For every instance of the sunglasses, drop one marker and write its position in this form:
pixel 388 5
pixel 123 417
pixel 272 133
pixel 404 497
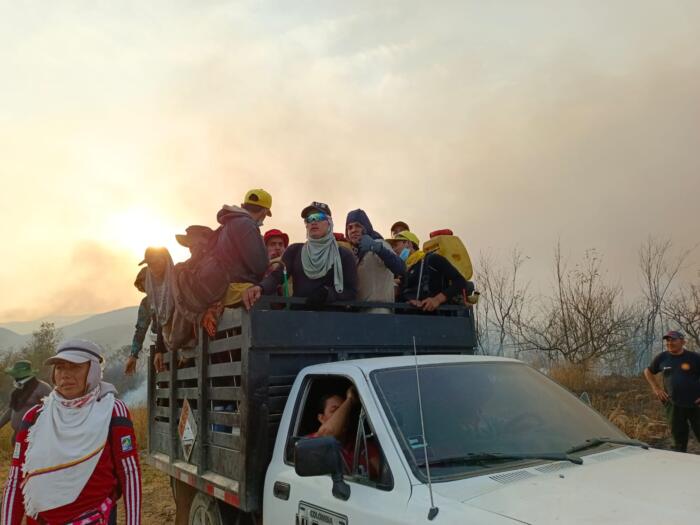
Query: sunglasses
pixel 315 217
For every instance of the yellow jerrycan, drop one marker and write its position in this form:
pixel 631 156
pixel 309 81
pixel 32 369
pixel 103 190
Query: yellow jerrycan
pixel 451 247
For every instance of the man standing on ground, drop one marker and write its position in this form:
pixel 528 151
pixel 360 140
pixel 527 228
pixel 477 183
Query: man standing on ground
pixel 28 392
pixel 681 388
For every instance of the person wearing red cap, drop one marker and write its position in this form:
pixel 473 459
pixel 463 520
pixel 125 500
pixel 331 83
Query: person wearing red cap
pixel 276 242
pixel 681 388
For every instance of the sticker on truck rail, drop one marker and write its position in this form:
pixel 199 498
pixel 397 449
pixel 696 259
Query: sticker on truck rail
pixel 312 515
pixel 187 428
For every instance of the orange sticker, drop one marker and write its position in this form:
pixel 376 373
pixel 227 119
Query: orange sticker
pixel 685 366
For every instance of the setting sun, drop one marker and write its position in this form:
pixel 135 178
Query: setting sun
pixel 136 228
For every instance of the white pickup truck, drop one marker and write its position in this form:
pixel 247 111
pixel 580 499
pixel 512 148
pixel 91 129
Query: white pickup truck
pixel 498 442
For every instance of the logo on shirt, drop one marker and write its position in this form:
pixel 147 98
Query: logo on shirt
pixel 127 444
pixel 16 453
pixel 685 366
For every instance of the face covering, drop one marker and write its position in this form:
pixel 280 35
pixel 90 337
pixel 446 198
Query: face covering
pixel 404 254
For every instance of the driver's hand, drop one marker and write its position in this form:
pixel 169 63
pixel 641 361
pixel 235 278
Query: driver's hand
pixel 130 367
pixel 158 362
pixel 351 394
pixel 250 296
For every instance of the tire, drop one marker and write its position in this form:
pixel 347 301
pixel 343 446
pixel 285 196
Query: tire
pixel 205 511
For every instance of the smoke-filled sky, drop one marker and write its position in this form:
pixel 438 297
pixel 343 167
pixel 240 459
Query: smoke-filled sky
pixel 515 123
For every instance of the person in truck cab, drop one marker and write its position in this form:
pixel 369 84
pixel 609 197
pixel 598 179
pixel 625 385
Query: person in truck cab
pixel 377 264
pixel 322 271
pixel 430 280
pixel 335 414
pixel 681 393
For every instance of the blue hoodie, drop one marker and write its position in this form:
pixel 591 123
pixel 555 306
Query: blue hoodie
pixel 392 261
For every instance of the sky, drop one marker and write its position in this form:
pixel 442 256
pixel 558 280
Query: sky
pixel 515 123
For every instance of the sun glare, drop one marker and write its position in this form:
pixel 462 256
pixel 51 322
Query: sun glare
pixel 137 228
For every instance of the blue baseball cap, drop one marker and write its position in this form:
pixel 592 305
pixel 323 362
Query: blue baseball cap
pixel 673 334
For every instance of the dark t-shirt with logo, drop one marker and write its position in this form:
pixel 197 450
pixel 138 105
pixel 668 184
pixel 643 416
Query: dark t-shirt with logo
pixel 681 376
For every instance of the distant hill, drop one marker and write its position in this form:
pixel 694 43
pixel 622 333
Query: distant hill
pixel 27 327
pixel 112 329
pixel 9 339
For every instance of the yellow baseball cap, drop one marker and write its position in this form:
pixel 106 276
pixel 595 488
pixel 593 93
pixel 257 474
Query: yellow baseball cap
pixel 259 197
pixel 406 236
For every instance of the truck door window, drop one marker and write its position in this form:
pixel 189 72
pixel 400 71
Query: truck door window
pixel 362 455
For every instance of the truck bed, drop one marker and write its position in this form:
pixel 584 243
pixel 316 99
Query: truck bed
pixel 237 383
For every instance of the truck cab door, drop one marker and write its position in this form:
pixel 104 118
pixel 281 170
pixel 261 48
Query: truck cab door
pixel 379 493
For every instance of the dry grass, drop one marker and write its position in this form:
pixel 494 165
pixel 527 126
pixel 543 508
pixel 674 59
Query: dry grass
pixel 626 401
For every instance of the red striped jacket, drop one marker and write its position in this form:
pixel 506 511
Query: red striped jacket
pixel 117 473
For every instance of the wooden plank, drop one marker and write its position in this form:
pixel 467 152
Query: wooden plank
pixel 162 393
pixel 230 419
pixel 224 345
pixel 230 318
pixel 163 377
pixel 187 373
pixel 160 412
pixel 159 443
pixel 190 353
pixel 159 427
pixel 225 369
pixel 225 393
pixel 189 393
pixel 225 440
pixel 225 462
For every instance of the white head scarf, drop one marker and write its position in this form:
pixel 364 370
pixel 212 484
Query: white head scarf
pixel 68 437
pixel 318 256
pixel 159 294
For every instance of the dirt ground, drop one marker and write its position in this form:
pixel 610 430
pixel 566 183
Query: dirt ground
pixel 158 504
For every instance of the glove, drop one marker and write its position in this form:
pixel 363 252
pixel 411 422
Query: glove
pixel 318 296
pixel 367 244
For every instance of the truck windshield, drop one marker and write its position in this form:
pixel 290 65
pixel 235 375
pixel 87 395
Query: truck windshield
pixel 484 415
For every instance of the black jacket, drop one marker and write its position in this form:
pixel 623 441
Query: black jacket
pixel 237 254
pixel 304 286
pixel 438 276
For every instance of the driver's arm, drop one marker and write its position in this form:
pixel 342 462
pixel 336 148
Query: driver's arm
pixel 336 424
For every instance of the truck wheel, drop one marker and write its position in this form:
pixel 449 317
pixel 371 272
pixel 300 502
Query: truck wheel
pixel 205 511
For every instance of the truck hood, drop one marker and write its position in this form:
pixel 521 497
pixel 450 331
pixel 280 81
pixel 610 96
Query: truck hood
pixel 622 486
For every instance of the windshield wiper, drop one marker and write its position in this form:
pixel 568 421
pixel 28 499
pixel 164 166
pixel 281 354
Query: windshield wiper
pixel 480 457
pixel 597 441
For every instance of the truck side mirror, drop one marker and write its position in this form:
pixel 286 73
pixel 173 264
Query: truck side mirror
pixel 319 457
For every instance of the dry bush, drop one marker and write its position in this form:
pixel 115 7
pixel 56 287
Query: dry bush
pixel 625 401
pixel 575 377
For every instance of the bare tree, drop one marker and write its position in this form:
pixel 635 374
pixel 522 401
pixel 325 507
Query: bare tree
pixel 658 271
pixel 684 310
pixel 583 321
pixel 503 299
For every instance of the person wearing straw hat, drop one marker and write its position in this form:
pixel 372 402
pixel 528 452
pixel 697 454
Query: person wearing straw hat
pixel 75 454
pixel 28 391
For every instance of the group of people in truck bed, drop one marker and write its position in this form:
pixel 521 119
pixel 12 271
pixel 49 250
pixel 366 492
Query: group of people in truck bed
pixel 235 265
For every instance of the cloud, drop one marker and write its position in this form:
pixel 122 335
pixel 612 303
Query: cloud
pixel 514 125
